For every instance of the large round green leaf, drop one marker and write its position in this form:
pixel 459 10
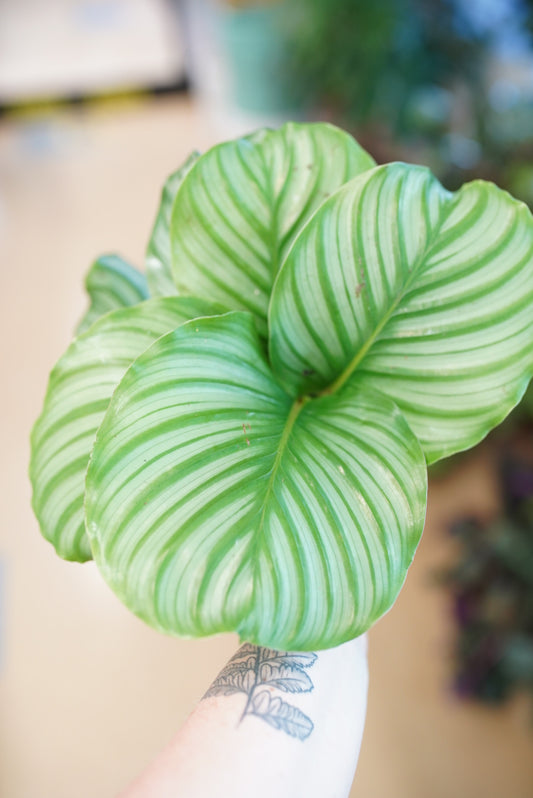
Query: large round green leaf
pixel 423 294
pixel 243 202
pixel 78 394
pixel 111 283
pixel 158 253
pixel 215 502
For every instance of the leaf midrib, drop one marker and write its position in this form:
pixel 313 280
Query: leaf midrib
pixel 294 412
pixel 338 383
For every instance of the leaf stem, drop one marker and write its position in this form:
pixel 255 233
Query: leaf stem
pixel 411 275
pixel 252 690
pixel 353 364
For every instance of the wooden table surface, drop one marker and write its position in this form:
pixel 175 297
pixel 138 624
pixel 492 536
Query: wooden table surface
pixel 87 692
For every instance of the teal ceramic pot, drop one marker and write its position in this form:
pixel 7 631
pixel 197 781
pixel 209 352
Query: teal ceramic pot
pixel 253 44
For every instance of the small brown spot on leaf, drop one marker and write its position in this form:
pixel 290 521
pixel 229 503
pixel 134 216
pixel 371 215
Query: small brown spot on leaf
pixel 359 288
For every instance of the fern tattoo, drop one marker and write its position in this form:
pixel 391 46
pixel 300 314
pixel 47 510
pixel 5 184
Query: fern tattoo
pixel 254 667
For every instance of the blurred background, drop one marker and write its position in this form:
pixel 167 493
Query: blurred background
pixel 99 101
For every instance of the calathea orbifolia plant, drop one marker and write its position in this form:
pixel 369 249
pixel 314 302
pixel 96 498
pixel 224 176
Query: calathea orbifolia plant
pixel 240 440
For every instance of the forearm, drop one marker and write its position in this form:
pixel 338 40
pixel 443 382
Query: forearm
pixel 284 725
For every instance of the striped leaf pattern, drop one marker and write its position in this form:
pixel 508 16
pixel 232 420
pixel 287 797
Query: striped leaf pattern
pixel 424 295
pixel 78 394
pixel 283 496
pixel 215 502
pixel 241 205
pixel 111 283
pixel 158 253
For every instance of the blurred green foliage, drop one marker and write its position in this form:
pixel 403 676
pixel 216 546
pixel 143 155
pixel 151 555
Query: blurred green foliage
pixel 367 61
pixel 418 80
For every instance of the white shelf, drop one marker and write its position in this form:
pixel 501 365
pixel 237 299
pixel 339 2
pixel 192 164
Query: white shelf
pixel 56 48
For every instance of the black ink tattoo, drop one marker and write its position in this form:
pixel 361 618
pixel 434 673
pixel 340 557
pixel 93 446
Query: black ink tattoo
pixel 254 667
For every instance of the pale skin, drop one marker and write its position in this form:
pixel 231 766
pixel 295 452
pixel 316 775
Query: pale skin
pixel 272 723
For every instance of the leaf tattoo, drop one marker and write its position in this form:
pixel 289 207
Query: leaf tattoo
pixel 253 667
pixel 281 715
